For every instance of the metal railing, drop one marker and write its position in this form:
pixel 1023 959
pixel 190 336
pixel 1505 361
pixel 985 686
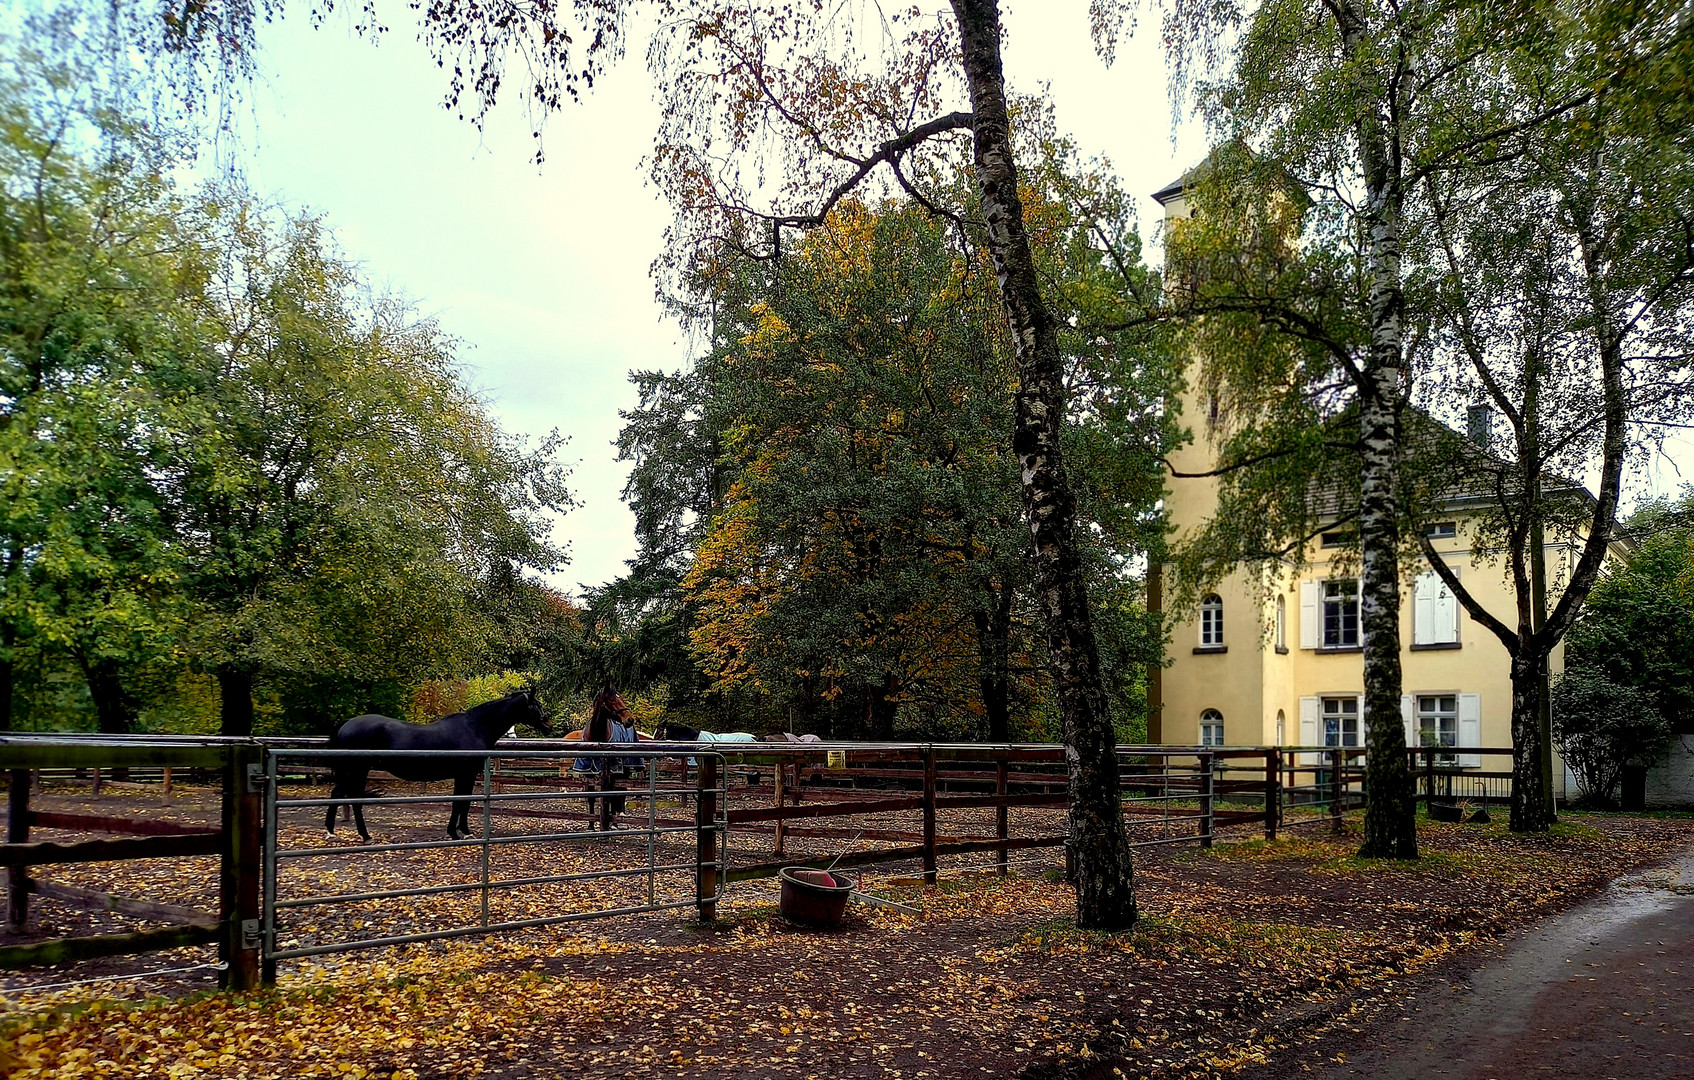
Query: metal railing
pixel 703 863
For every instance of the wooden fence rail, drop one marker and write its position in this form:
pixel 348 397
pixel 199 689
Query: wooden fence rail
pixel 235 843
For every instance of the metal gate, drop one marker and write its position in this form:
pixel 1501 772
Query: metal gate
pixel 657 850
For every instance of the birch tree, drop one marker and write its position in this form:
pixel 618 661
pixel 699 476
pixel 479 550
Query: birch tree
pixel 1560 285
pixel 1354 102
pixel 776 112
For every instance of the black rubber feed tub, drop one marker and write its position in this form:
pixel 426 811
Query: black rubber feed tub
pixel 814 897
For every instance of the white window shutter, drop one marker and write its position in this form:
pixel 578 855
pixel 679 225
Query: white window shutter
pixel 1409 713
pixel 1311 624
pixel 1446 613
pixel 1311 728
pixel 1423 608
pixel 1470 728
pixel 1359 609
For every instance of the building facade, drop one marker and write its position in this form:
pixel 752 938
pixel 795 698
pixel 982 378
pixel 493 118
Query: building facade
pixel 1279 661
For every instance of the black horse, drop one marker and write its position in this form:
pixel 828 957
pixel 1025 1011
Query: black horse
pixel 474 729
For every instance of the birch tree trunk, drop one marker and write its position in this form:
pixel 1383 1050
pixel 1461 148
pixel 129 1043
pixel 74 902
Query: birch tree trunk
pixel 1105 895
pixel 1390 816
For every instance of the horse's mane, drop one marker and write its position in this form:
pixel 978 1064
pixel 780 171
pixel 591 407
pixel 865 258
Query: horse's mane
pixel 499 706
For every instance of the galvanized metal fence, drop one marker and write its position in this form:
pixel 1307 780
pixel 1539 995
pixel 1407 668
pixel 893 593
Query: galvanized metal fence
pixel 700 864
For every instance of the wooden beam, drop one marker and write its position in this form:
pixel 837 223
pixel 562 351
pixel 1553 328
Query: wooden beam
pixel 24 752
pixel 47 819
pixel 66 950
pixel 48 853
pixel 899 854
pixel 123 905
pixel 1033 798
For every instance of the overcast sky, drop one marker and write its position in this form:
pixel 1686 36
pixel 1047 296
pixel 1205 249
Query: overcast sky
pixel 543 273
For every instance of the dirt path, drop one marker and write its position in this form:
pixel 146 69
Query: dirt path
pixel 1604 991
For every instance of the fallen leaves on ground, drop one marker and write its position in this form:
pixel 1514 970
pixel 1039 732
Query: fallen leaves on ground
pixel 1238 951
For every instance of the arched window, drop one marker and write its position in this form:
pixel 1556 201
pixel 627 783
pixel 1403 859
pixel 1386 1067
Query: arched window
pixel 1211 620
pixel 1281 625
pixel 1281 728
pixel 1211 728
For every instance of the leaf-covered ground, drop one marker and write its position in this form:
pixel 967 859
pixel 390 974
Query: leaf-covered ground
pixel 1239 949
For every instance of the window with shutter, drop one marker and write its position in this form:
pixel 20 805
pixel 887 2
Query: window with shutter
pixel 1435 611
pixel 1311 627
pixel 1470 728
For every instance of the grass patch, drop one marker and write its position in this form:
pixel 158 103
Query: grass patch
pixel 1339 856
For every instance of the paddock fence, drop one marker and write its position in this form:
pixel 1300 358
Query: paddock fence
pixel 234 843
pixel 566 832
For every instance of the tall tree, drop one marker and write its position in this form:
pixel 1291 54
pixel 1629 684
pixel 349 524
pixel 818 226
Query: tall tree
pixel 338 494
pixel 1369 108
pixel 1560 283
pixel 797 91
pixel 89 251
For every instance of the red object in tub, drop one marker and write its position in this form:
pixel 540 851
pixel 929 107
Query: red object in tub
pixel 814 897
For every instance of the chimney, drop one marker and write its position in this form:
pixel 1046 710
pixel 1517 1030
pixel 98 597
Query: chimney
pixel 1481 425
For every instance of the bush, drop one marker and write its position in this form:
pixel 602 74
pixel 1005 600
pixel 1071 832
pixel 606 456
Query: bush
pixel 1600 727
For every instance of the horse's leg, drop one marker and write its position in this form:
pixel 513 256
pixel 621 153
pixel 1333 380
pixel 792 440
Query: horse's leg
pixel 461 812
pixel 359 792
pixel 335 790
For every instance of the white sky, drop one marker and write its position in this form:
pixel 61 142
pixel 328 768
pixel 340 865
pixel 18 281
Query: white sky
pixel 543 274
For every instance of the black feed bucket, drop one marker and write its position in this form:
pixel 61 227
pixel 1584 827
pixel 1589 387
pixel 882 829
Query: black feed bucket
pixel 814 897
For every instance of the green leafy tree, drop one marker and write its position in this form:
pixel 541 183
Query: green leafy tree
pixel 89 246
pixel 339 494
pixel 1601 727
pixel 1326 302
pixel 1635 629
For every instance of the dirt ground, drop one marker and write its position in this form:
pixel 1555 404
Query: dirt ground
pixel 1247 958
pixel 1604 990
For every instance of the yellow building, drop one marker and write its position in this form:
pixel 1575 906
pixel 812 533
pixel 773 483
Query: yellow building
pixel 1279 662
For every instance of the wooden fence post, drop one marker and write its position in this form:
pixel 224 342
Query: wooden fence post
pixel 243 839
pixel 929 816
pixel 706 840
pixel 1428 776
pixel 17 832
pixel 1001 814
pixel 1208 766
pixel 1273 796
pixel 776 787
pixel 1337 790
pixel 167 782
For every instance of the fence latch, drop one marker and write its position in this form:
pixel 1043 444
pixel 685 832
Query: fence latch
pixel 255 777
pixel 250 935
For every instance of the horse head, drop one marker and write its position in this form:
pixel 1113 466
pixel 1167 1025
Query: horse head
pixel 608 706
pixel 518 709
pixel 531 714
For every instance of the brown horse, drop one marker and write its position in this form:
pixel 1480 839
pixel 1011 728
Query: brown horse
pixel 609 721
